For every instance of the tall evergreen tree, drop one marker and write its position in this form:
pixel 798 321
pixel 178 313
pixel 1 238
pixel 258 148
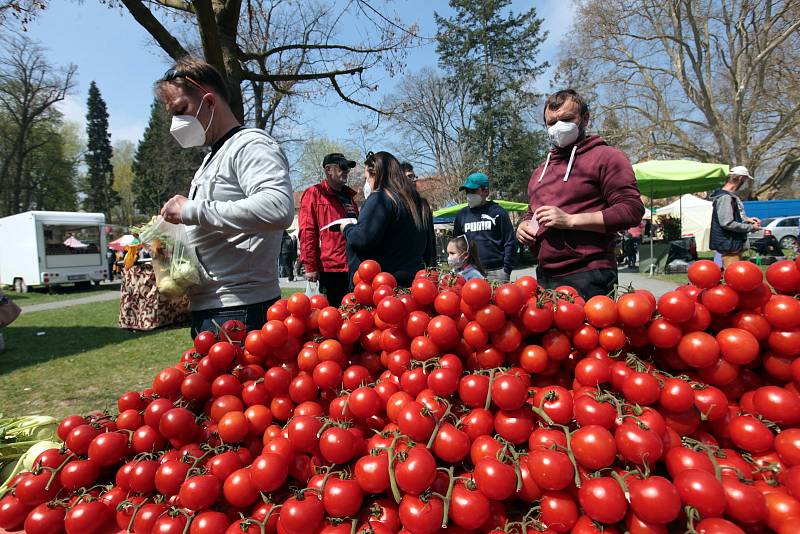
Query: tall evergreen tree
pixel 493 50
pixel 161 167
pixel 99 190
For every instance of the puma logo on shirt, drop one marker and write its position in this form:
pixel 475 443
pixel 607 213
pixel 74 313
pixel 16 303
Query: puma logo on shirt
pixel 478 226
pixel 486 222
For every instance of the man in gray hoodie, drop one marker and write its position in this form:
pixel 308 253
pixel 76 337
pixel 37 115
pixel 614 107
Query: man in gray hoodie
pixel 729 223
pixel 239 203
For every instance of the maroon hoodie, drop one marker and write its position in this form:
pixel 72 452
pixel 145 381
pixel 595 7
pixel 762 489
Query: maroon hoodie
pixel 600 178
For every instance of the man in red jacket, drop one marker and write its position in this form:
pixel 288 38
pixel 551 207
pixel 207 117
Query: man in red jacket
pixel 579 198
pixel 323 251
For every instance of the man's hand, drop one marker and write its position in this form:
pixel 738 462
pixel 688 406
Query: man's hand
pixel 172 209
pixel 312 277
pixel 552 217
pixel 526 233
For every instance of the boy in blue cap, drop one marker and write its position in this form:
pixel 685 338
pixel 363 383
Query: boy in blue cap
pixel 489 225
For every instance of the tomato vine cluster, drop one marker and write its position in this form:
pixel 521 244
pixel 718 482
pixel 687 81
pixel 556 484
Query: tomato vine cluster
pixel 454 407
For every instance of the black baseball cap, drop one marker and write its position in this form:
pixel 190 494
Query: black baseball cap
pixel 338 159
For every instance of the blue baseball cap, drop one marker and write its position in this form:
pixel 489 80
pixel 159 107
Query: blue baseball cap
pixel 476 180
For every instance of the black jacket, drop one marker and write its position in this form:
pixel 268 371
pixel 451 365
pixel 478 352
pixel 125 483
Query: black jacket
pixel 490 226
pixel 288 247
pixel 386 233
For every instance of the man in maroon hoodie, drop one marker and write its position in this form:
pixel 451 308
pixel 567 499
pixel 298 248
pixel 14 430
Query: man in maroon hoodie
pixel 582 194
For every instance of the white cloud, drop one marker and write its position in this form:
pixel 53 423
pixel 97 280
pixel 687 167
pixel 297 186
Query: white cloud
pixel 74 110
pixel 121 126
pixel 126 129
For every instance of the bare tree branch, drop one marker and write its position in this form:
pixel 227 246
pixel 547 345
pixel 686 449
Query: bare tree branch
pixel 258 77
pixel 706 79
pixel 180 5
pixel 149 22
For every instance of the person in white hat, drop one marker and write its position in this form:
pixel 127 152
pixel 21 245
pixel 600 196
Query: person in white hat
pixel 729 223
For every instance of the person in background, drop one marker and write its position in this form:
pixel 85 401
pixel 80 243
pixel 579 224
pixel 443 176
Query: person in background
pixel 323 251
pixel 489 225
pixel 633 242
pixel 578 199
pixel 729 223
pixel 9 311
pixel 296 264
pixel 463 258
pixel 111 259
pixel 408 171
pixel 288 253
pixel 239 203
pixel 395 226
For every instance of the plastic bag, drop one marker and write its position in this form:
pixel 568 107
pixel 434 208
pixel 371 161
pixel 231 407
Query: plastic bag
pixel 174 261
pixel 312 288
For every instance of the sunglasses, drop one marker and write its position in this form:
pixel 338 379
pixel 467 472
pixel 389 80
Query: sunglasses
pixel 173 74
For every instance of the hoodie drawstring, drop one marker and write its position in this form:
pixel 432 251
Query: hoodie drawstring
pixel 571 159
pixel 546 163
pixel 569 165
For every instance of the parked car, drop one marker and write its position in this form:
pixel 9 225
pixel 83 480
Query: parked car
pixel 783 228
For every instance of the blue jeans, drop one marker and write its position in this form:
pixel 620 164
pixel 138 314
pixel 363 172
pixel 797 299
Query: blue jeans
pixel 586 283
pixel 252 315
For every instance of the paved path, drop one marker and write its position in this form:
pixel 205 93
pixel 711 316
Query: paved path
pixel 101 297
pixel 642 281
pixel 638 281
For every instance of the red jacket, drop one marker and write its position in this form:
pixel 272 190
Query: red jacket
pixel 322 250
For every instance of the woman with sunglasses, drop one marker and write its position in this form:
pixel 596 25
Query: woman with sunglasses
pixel 395 226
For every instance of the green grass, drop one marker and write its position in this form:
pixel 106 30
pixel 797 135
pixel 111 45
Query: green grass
pixel 82 361
pixel 682 278
pixel 57 293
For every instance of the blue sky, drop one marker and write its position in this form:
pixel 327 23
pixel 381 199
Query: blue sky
pixel 109 47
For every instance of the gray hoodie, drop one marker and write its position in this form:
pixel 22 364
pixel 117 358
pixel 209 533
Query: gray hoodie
pixel 240 202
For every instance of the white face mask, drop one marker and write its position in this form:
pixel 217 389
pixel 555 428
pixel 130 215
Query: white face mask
pixel 563 134
pixel 474 200
pixel 187 129
pixel 455 262
pixel 367 189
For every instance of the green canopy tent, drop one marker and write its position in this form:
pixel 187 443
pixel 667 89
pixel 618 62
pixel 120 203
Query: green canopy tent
pixel 452 210
pixel 667 178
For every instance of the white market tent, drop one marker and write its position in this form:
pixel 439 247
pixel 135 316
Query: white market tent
pixel 695 215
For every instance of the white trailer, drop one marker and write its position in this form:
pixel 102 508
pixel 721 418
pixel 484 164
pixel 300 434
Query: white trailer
pixel 51 248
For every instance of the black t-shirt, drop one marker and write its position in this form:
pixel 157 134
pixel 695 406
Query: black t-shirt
pixel 347 202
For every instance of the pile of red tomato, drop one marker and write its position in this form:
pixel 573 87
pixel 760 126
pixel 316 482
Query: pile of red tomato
pixel 459 407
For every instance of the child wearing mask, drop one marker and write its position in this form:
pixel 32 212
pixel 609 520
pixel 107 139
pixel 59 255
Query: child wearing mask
pixel 462 257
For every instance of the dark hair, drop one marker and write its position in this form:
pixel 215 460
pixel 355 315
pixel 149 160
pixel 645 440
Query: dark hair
pixel 557 99
pixel 468 245
pixel 193 74
pixel 407 167
pixel 390 179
